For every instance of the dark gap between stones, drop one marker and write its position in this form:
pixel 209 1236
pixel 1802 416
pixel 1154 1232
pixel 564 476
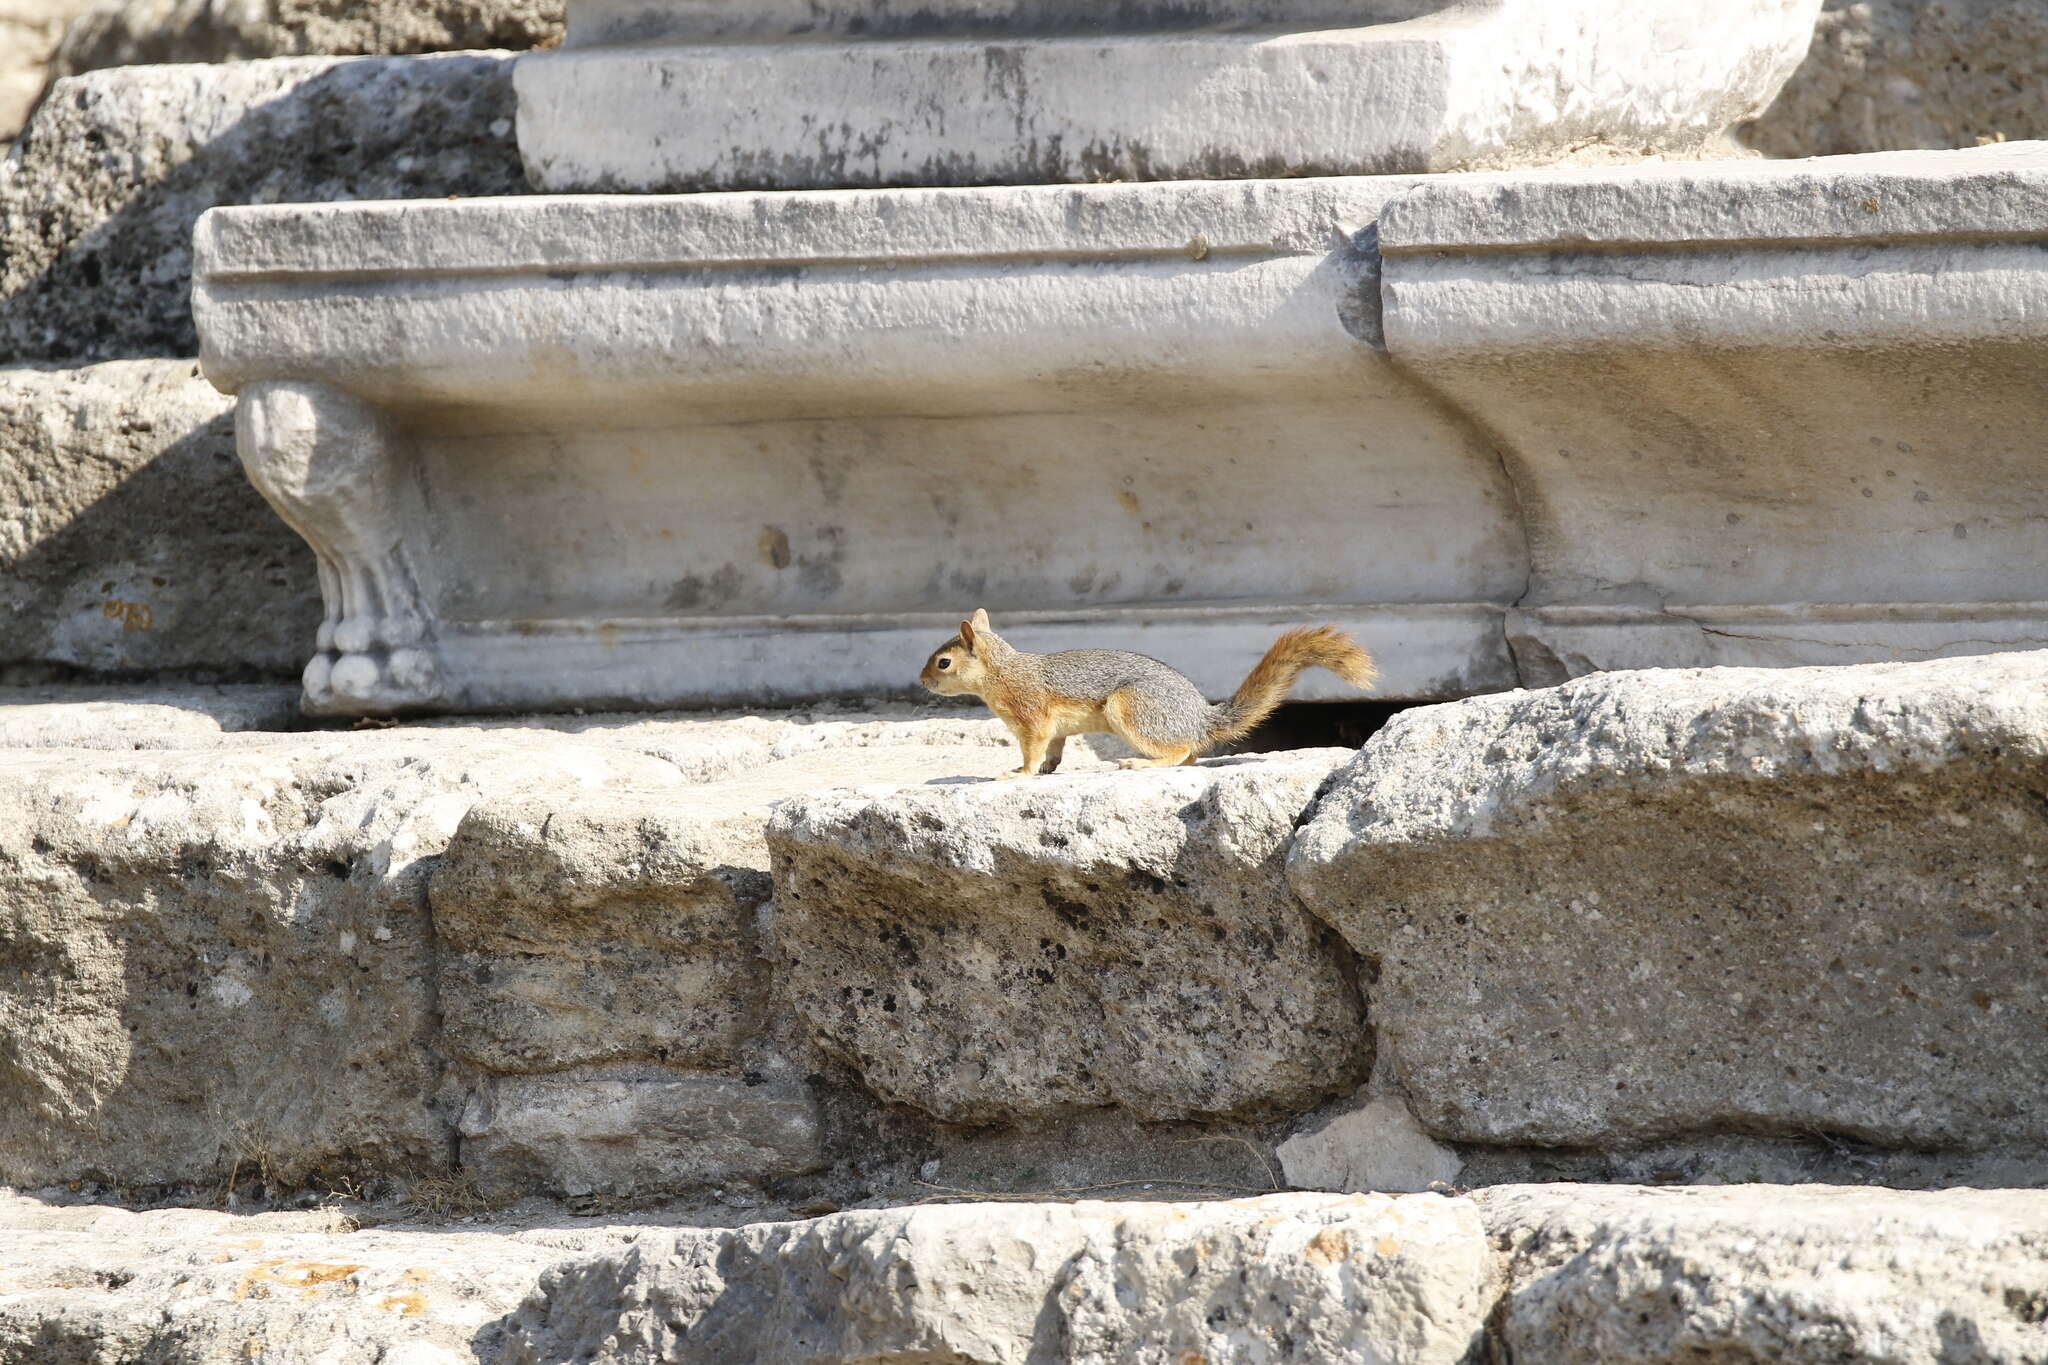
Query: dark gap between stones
pixel 1319 725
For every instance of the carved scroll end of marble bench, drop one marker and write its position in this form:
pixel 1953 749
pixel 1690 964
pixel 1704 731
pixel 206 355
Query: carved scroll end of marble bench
pixel 339 475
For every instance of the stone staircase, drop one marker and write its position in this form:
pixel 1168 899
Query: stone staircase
pixel 688 977
pixel 1681 1014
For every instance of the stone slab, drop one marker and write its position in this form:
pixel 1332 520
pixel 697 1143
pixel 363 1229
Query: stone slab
pixel 1552 1272
pixel 148 32
pixel 1779 1273
pixel 103 1285
pixel 98 198
pixel 635 1132
pixel 135 716
pixel 131 543
pixel 1288 1276
pixel 1373 1147
pixel 780 469
pixel 1380 90
pixel 1888 74
pixel 220 960
pixel 994 952
pixel 1646 905
pixel 1695 375
pixel 29 33
pixel 600 23
pixel 805 467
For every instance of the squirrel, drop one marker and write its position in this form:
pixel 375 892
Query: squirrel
pixel 1149 705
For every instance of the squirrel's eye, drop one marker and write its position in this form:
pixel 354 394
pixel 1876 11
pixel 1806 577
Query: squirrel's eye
pixel 945 664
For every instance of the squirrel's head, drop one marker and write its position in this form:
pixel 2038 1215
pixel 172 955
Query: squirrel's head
pixel 962 664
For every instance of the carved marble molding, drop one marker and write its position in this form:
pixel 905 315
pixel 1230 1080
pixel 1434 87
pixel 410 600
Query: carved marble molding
pixel 1756 413
pixel 339 474
pixel 738 448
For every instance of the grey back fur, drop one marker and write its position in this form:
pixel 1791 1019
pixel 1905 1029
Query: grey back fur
pixel 1163 703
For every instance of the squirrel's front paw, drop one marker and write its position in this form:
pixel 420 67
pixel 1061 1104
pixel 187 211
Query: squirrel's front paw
pixel 1012 775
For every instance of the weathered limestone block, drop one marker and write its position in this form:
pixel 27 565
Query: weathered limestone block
pixel 140 716
pixel 1889 74
pixel 1792 902
pixel 95 1285
pixel 1284 1277
pixel 222 959
pixel 130 541
pixel 1755 412
pixel 602 929
pixel 1602 1275
pixel 139 32
pixel 1377 1146
pixel 1018 950
pixel 98 199
pixel 772 447
pixel 219 961
pixel 976 93
pixel 634 1132
pixel 29 33
pixel 625 926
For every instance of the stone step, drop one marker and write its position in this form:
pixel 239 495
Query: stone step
pixel 1688 902
pixel 1612 1275
pixel 226 953
pixel 122 34
pixel 98 198
pixel 1682 925
pixel 973 92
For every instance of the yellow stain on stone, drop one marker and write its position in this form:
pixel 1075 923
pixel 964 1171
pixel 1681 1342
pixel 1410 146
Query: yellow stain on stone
pixel 310 1278
pixel 405 1305
pixel 1388 1245
pixel 1328 1247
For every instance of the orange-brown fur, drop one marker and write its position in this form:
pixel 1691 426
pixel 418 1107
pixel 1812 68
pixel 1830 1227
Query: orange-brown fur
pixel 1271 678
pixel 1044 698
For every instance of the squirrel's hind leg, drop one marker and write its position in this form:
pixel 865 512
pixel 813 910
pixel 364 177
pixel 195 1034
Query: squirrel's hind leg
pixel 1160 752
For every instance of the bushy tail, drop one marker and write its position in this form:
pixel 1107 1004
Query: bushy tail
pixel 1267 685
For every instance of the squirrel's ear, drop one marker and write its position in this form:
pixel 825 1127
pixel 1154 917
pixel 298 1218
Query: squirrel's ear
pixel 967 634
pixel 981 620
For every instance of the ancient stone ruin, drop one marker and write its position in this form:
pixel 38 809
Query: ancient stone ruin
pixel 478 878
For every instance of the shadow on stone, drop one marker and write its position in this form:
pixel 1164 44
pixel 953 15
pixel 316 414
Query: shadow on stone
pixel 172 566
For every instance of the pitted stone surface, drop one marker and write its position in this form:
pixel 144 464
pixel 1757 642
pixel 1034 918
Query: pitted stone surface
pixel 98 199
pixel 139 32
pixel 141 716
pixel 130 540
pixel 1260 1281
pixel 225 956
pixel 635 1132
pixel 1374 1146
pixel 1568 1273
pixel 221 958
pixel 1007 950
pixel 29 33
pixel 97 1285
pixel 1886 74
pixel 1642 905
pixel 586 928
pixel 1614 1275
